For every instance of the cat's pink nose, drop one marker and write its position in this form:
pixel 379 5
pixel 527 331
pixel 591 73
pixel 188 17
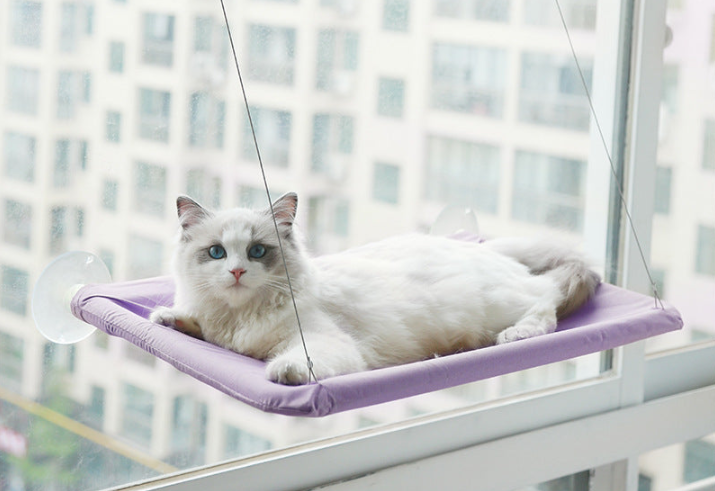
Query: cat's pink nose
pixel 237 273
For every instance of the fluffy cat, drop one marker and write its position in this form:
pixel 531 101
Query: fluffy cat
pixel 395 301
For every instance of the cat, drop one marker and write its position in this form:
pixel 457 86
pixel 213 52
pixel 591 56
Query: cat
pixel 395 301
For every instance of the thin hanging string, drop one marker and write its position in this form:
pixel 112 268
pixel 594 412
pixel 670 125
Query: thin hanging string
pixel 619 185
pixel 268 193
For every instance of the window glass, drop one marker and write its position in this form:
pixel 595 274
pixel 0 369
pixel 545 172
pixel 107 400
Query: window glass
pixel 683 236
pixel 677 465
pixel 378 119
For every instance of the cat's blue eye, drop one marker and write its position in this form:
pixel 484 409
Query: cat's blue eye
pixel 217 252
pixel 257 251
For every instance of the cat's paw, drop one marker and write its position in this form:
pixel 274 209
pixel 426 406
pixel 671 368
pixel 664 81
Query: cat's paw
pixel 288 371
pixel 164 316
pixel 519 332
pixel 169 317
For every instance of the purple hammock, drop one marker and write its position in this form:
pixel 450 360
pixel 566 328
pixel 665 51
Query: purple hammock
pixel 612 318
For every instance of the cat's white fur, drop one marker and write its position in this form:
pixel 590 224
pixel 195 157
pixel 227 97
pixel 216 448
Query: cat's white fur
pixel 391 302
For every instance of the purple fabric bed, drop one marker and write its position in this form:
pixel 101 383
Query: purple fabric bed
pixel 614 317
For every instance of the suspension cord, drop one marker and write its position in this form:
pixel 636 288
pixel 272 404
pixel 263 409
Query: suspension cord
pixel 309 362
pixel 618 183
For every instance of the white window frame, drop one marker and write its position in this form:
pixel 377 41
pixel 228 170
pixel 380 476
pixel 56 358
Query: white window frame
pixel 602 424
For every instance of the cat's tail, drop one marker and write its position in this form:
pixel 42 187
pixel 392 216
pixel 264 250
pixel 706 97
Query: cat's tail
pixel 567 266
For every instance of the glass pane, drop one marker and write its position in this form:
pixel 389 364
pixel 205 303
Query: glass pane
pixel 683 241
pixel 676 465
pixel 97 146
pixel 574 482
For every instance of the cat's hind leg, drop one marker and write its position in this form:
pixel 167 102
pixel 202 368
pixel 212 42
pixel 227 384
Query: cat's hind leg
pixel 540 319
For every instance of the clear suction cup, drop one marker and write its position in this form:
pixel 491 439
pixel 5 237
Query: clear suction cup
pixel 454 220
pixel 54 290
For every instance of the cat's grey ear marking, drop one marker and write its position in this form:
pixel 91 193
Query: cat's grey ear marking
pixel 284 209
pixel 190 212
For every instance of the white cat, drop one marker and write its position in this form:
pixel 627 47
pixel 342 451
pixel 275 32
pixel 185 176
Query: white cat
pixel 396 301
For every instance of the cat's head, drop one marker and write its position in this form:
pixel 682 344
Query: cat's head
pixel 234 255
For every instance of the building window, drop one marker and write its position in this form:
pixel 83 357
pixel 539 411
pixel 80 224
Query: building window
pixel 11 360
pixel 207 117
pixel 154 114
pixel 552 92
pixel 238 442
pixel 158 39
pixel 386 183
pixel 114 126
pixel 57 229
pixel 73 88
pixel 109 194
pixel 337 60
pixel 273 129
pixel 469 79
pixel 137 414
pixel 203 30
pixel 70 157
pixel 705 251
pixel 77 19
pixel 462 173
pixel 396 15
pixel 663 178
pixel 271 54
pixel 19 156
pixel 150 189
pixel 145 257
pixel 549 190
pixel 26 23
pixel 333 136
pixel 14 290
pixel 204 189
pixel 709 144
pixel 116 57
pixel 390 97
pixel 17 226
pixel 579 14
pixel 699 462
pixel 487 10
pixel 22 90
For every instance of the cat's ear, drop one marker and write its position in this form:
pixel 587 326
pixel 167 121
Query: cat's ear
pixel 284 209
pixel 190 212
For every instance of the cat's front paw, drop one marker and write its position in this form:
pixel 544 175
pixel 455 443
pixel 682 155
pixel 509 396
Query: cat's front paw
pixel 169 317
pixel 288 371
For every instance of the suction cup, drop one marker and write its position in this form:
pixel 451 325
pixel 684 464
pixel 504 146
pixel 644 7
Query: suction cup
pixel 54 290
pixel 455 219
